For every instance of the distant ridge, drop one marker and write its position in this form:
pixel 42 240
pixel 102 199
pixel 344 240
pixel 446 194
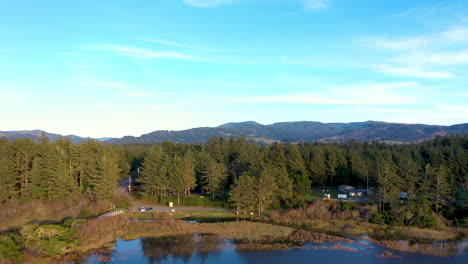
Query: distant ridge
pixel 302 131
pixel 287 132
pixel 36 134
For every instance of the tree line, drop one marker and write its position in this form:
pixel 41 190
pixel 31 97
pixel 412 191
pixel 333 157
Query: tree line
pixel 251 176
pixel 247 175
pixel 57 170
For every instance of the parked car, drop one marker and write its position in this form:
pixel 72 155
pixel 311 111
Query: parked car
pixel 141 209
pixel 149 209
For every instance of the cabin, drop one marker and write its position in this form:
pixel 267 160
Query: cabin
pixel 342 196
pixel 356 192
pixel 344 187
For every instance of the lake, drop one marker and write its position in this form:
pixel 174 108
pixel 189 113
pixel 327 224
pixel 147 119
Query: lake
pixel 214 249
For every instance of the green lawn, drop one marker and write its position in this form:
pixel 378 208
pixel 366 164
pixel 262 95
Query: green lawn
pixel 318 194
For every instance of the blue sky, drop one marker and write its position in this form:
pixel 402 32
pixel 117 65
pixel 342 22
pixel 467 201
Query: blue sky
pixel 115 68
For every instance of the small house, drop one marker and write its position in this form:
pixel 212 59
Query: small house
pixel 344 187
pixel 326 196
pixel 356 192
pixel 342 196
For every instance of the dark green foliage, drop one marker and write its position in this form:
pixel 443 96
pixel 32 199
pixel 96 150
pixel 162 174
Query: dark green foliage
pixel 10 248
pixel 55 170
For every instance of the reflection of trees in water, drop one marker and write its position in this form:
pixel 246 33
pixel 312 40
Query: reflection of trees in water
pixel 105 254
pixel 209 244
pixel 438 248
pixel 160 248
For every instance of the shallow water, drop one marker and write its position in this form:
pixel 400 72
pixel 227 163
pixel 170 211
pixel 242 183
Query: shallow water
pixel 215 249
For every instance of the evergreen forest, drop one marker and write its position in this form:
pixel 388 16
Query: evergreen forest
pixel 246 176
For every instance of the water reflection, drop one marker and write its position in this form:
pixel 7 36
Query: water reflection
pixel 159 249
pixel 215 249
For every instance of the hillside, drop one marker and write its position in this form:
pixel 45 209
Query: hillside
pixel 288 132
pixel 305 131
pixel 36 134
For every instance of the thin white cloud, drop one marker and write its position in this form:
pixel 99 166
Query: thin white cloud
pixel 316 4
pixel 166 42
pixel 109 84
pixel 401 44
pixel 441 58
pixel 453 108
pixel 137 52
pixel 412 72
pixel 240 85
pixel 141 95
pixel 454 35
pixel 366 94
pixel 206 3
pixel 308 5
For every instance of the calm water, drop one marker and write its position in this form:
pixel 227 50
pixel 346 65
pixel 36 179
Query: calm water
pixel 214 249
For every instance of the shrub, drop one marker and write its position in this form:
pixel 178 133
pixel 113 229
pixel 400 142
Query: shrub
pixel 10 249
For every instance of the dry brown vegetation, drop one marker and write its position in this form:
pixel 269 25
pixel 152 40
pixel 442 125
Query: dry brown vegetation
pixel 15 214
pixel 388 254
pixel 303 236
pixel 431 248
pixel 96 233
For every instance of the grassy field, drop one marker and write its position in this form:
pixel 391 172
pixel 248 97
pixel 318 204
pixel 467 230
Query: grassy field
pixel 204 214
pixel 318 194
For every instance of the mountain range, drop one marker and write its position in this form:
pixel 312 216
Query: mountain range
pixel 36 134
pixel 287 132
pixel 304 131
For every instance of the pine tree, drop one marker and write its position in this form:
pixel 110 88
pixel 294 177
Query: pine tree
pixel 213 177
pixel 24 151
pixel 266 188
pixel 243 195
pixel 103 183
pixel 318 167
pixel 8 179
pixel 154 172
pixel 297 170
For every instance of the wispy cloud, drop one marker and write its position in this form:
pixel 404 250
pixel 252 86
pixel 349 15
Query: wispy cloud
pixel 366 94
pixel 453 108
pixel 316 4
pixel 141 95
pixel 454 35
pixel 412 72
pixel 167 42
pixel 240 85
pixel 137 52
pixel 308 5
pixel 109 84
pixel 413 56
pixel 442 58
pixel 206 3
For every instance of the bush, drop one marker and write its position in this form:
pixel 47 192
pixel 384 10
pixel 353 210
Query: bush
pixel 10 248
pixel 84 213
pixel 378 218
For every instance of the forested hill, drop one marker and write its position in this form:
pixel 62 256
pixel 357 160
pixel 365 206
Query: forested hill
pixel 36 134
pixel 307 131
